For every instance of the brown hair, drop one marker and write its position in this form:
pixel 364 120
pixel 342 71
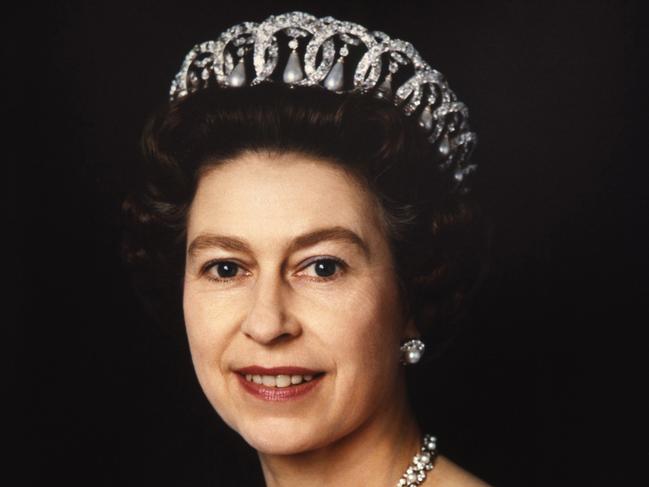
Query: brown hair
pixel 436 237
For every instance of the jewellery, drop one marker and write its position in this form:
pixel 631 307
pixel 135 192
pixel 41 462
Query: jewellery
pixel 412 351
pixel 423 92
pixel 422 462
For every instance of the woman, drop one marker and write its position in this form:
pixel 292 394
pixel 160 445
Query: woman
pixel 311 241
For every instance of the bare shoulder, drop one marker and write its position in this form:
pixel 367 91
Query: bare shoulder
pixel 450 474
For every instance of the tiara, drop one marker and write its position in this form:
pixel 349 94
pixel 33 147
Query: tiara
pixel 422 92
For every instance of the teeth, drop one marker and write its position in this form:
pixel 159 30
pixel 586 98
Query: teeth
pixel 283 380
pixel 278 380
pixel 269 380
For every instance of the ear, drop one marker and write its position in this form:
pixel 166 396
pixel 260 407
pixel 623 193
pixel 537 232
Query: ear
pixel 410 330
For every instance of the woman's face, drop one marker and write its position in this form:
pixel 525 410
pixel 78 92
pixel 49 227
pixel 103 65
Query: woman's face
pixel 287 269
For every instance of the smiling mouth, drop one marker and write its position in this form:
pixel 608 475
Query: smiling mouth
pixel 280 387
pixel 281 381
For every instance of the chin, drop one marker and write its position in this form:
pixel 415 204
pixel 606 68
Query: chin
pixel 281 436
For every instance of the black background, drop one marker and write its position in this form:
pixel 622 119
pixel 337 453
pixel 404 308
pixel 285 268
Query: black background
pixel 539 388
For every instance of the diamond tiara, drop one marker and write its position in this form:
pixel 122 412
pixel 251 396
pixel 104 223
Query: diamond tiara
pixel 424 92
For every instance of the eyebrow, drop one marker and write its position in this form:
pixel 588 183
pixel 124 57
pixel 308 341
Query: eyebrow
pixel 226 242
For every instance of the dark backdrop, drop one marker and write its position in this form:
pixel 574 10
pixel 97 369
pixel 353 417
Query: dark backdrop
pixel 536 390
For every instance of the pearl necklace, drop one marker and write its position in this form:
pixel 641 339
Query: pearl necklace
pixel 422 462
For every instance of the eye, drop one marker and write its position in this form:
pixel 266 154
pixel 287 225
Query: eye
pixel 226 270
pixel 325 268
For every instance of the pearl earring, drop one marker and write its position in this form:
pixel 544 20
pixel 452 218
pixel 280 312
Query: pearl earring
pixel 412 351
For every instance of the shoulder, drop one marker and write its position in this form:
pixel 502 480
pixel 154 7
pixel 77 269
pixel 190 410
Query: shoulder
pixel 449 474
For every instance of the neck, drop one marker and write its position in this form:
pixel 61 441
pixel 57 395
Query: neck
pixel 376 453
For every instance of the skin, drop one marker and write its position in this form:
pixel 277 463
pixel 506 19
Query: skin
pixel 275 309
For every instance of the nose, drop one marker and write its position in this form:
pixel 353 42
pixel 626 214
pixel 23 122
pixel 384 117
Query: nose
pixel 268 320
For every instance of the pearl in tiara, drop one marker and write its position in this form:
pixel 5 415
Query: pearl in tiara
pixel 422 92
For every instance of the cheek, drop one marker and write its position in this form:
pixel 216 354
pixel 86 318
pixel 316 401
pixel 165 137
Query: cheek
pixel 367 345
pixel 197 313
pixel 207 314
pixel 206 331
pixel 207 334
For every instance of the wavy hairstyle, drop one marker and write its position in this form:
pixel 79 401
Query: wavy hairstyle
pixel 437 238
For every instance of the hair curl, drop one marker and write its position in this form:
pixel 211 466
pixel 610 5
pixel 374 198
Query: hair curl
pixel 436 238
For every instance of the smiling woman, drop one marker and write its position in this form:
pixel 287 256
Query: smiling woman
pixel 308 244
pixel 287 315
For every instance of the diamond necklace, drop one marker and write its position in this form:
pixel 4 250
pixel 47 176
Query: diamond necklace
pixel 422 462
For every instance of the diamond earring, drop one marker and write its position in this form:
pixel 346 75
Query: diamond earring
pixel 412 351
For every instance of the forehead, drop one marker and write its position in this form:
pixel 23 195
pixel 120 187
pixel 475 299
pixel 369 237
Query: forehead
pixel 290 193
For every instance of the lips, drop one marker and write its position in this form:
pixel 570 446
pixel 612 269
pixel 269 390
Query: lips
pixel 271 394
pixel 278 383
